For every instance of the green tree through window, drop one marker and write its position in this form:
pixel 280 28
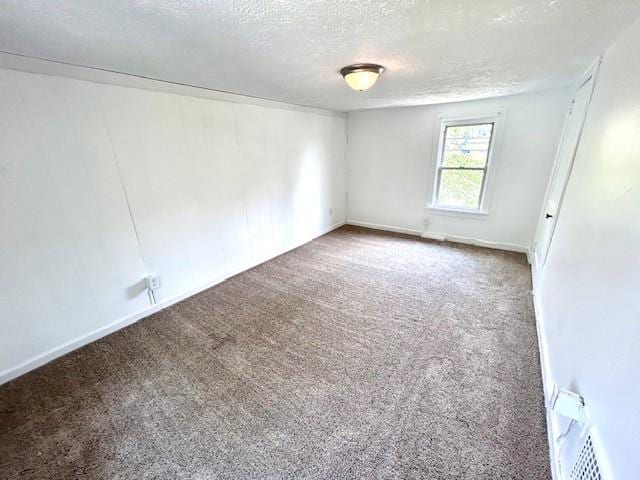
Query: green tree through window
pixel 462 165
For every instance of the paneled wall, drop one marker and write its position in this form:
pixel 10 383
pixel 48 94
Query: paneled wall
pixel 101 185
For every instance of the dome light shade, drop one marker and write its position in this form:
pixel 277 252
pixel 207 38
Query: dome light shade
pixel 361 76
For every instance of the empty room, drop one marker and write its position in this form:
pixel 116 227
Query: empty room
pixel 246 239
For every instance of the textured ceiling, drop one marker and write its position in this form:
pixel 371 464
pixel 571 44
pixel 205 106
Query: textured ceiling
pixel 291 50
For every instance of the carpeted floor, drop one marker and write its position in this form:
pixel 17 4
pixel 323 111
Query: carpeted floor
pixel 359 355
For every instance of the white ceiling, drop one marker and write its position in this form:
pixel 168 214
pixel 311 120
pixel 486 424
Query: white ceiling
pixel 291 50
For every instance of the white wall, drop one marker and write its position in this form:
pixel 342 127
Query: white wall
pixel 391 159
pixel 588 292
pixel 213 187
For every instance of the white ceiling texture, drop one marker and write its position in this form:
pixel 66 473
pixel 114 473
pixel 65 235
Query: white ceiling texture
pixel 291 50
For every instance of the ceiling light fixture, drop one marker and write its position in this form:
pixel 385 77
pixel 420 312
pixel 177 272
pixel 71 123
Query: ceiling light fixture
pixel 361 76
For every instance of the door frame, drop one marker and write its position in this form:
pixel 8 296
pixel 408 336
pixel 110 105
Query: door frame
pixel 538 264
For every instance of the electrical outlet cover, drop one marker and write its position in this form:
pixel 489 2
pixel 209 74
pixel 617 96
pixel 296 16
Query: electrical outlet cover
pixel 570 405
pixel 153 282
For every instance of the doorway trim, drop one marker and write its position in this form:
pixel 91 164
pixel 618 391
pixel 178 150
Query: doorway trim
pixel 537 264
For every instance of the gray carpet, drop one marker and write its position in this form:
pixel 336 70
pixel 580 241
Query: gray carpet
pixel 359 355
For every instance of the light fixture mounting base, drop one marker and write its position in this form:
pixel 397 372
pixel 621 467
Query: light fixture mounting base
pixel 361 67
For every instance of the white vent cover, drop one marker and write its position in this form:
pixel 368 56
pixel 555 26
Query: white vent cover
pixel 586 466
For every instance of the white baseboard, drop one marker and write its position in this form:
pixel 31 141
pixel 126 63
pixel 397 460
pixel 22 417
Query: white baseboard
pixel 56 352
pixel 547 382
pixel 444 237
pixel 478 242
pixel 386 228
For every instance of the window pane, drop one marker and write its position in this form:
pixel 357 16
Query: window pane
pixel 464 159
pixel 467 145
pixel 460 188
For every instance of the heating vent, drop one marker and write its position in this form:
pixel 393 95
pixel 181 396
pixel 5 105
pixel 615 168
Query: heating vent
pixel 586 466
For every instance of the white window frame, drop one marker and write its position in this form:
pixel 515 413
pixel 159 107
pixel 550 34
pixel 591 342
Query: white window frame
pixel 497 119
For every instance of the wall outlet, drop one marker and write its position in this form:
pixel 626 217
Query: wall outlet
pixel 153 282
pixel 570 405
pixel 331 212
pixel 425 222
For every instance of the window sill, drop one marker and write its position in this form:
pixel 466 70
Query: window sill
pixel 458 212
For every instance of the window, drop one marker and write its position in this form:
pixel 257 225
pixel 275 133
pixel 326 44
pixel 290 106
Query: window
pixel 463 157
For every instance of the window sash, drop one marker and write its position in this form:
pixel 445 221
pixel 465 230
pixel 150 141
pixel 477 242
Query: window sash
pixel 480 194
pixel 440 168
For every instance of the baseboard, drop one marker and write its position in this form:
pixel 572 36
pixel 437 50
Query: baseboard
pixel 443 237
pixel 535 269
pixel 56 352
pixel 547 378
pixel 511 247
pixel 530 256
pixel 386 228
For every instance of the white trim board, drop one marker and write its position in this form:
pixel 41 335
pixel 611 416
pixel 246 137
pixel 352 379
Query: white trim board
pixel 547 381
pixel 43 66
pixel 59 351
pixel 386 228
pixel 510 247
pixel 443 237
pixel 537 266
pixel 554 432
